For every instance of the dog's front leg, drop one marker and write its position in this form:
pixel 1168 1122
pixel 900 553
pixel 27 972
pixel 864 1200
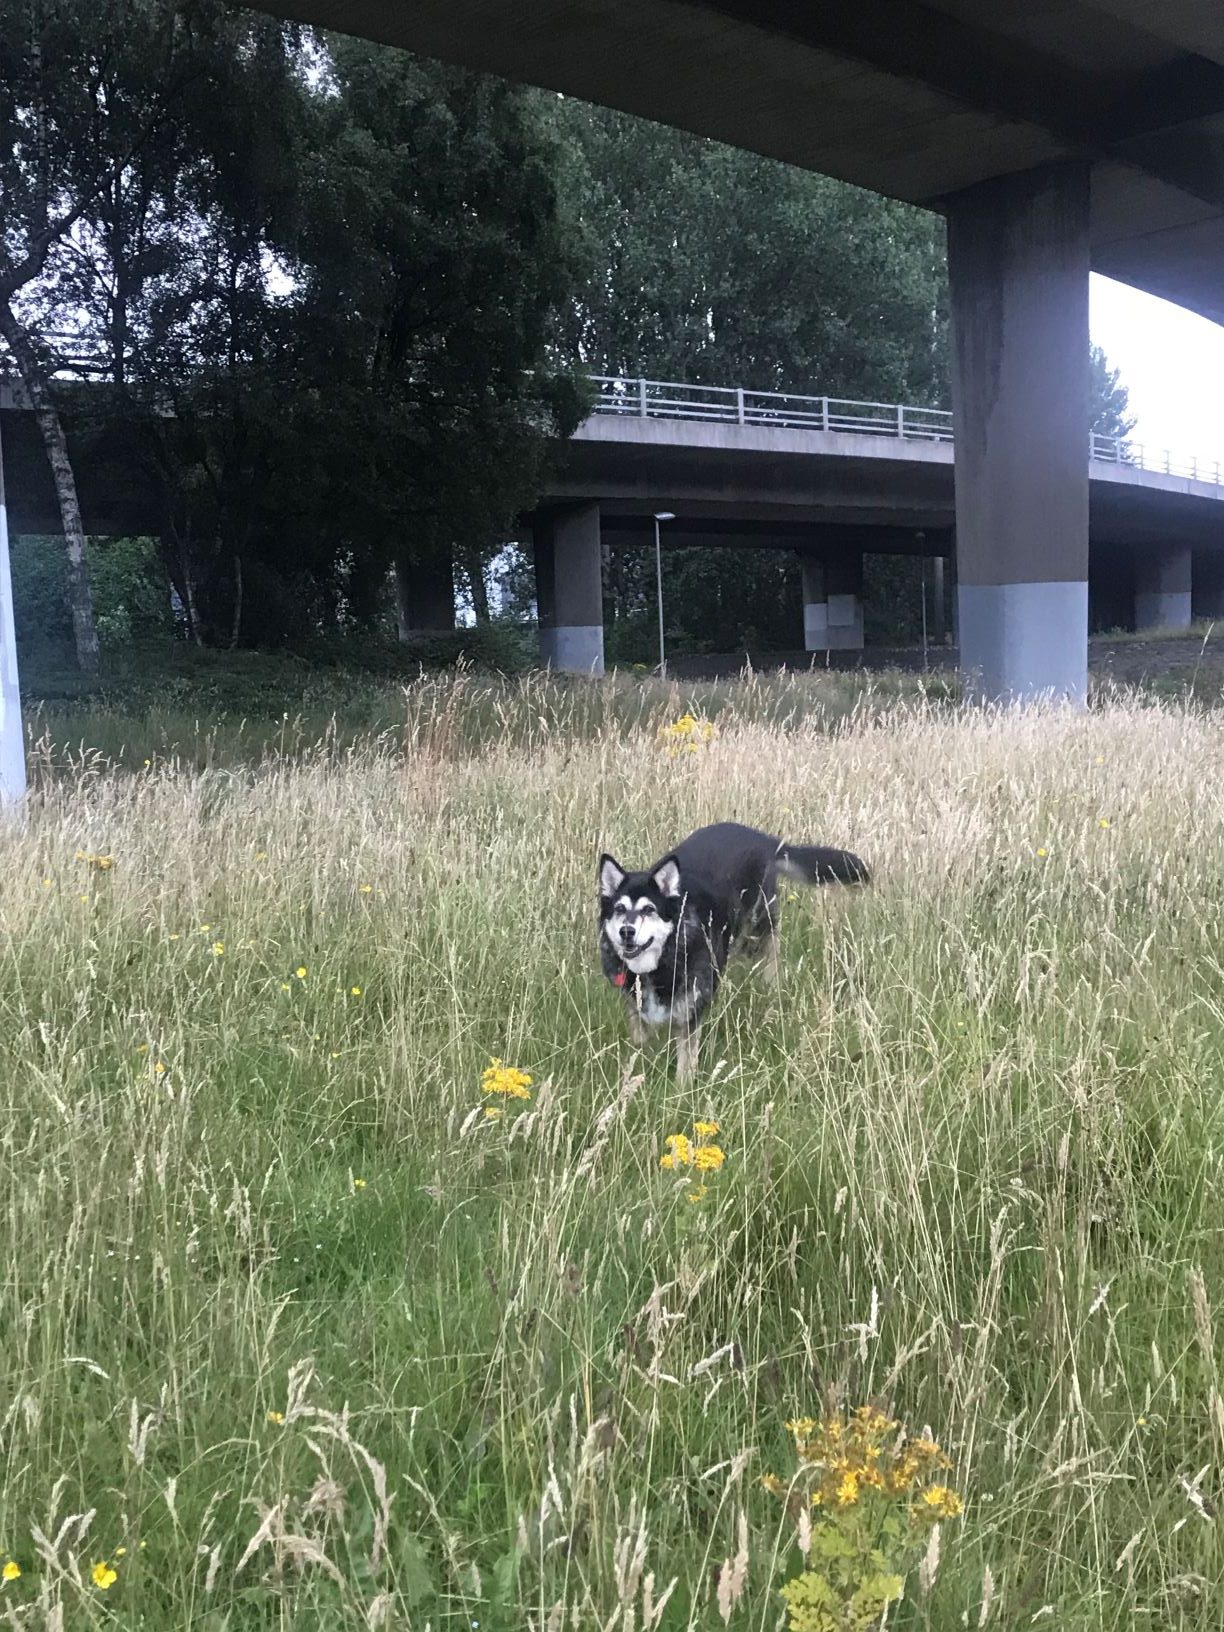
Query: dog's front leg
pixel 639 1031
pixel 686 1053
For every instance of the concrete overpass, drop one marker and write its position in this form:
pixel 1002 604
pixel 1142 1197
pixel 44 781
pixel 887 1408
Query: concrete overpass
pixel 829 478
pixel 832 480
pixel 1053 137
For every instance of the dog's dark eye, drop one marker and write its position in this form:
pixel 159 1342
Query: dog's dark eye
pixel 648 911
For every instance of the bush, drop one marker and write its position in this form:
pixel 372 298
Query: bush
pixel 130 592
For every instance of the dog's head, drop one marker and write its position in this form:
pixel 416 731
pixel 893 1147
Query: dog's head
pixel 638 912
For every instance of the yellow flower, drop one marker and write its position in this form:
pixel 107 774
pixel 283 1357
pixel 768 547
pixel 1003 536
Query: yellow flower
pixel 104 1576
pixel 1104 821
pixel 686 735
pixel 261 855
pixel 46 883
pixel 98 864
pixel 679 1151
pixel 493 1113
pixel 697 1195
pixel 218 949
pixel 359 1184
pixel 705 1130
pixel 142 1048
pixel 204 928
pixel 354 991
pixel 708 1158
pixel 277 1417
pixel 848 1489
pixel 285 986
pixel 940 1503
pixel 1042 851
pixel 365 888
pixel 506 1080
pixel 159 1068
pixel 11 1570
pixel 300 971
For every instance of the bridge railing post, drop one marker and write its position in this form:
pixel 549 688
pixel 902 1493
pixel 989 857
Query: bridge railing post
pixel 642 398
pixel 824 413
pixel 739 404
pixel 901 421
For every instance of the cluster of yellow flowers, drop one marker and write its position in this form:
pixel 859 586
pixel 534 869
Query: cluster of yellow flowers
pixel 505 1080
pixel 842 1462
pixel 99 864
pixel 686 735
pixel 851 1471
pixel 700 1154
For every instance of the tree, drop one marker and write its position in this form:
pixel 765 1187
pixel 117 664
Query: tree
pixel 320 297
pixel 712 265
pixel 1109 399
pixel 436 260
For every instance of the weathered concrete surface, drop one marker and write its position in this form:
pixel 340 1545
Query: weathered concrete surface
pixel 1163 588
pixel 832 600
pixel 569 588
pixel 1018 270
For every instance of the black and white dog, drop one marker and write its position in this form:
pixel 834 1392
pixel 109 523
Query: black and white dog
pixel 665 934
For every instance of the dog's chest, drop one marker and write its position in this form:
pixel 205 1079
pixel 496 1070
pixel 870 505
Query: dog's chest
pixel 655 1008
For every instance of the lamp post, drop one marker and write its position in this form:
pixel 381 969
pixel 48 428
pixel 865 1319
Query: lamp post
pixel 661 515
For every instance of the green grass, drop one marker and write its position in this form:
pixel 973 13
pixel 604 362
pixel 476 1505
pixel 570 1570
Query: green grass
pixel 512 1359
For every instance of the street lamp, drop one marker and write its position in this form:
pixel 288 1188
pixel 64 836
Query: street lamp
pixel 661 515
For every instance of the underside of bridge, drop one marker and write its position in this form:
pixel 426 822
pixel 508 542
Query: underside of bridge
pixel 1055 137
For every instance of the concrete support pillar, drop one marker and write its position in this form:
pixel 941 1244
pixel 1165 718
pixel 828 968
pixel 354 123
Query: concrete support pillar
pixel 425 595
pixel 12 736
pixel 1208 585
pixel 1162 586
pixel 569 589
pixel 832 601
pixel 1018 268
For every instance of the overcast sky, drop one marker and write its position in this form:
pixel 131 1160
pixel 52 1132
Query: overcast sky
pixel 1173 363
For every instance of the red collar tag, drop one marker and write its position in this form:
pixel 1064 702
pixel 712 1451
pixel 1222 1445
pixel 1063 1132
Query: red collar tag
pixel 619 978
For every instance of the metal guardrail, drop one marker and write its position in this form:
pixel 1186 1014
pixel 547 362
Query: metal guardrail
pixel 622 396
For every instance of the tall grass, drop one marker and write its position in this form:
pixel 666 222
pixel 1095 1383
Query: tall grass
pixel 319 1344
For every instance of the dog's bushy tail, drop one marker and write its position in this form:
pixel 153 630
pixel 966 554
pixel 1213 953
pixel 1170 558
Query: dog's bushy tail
pixel 818 864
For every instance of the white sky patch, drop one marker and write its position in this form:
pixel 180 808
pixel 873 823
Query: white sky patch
pixel 1172 362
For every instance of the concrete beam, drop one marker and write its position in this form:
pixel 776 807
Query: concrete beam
pixel 1018 267
pixel 1163 588
pixel 569 589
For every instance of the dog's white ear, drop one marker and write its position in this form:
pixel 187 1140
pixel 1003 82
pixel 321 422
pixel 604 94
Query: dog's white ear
pixel 611 876
pixel 666 877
